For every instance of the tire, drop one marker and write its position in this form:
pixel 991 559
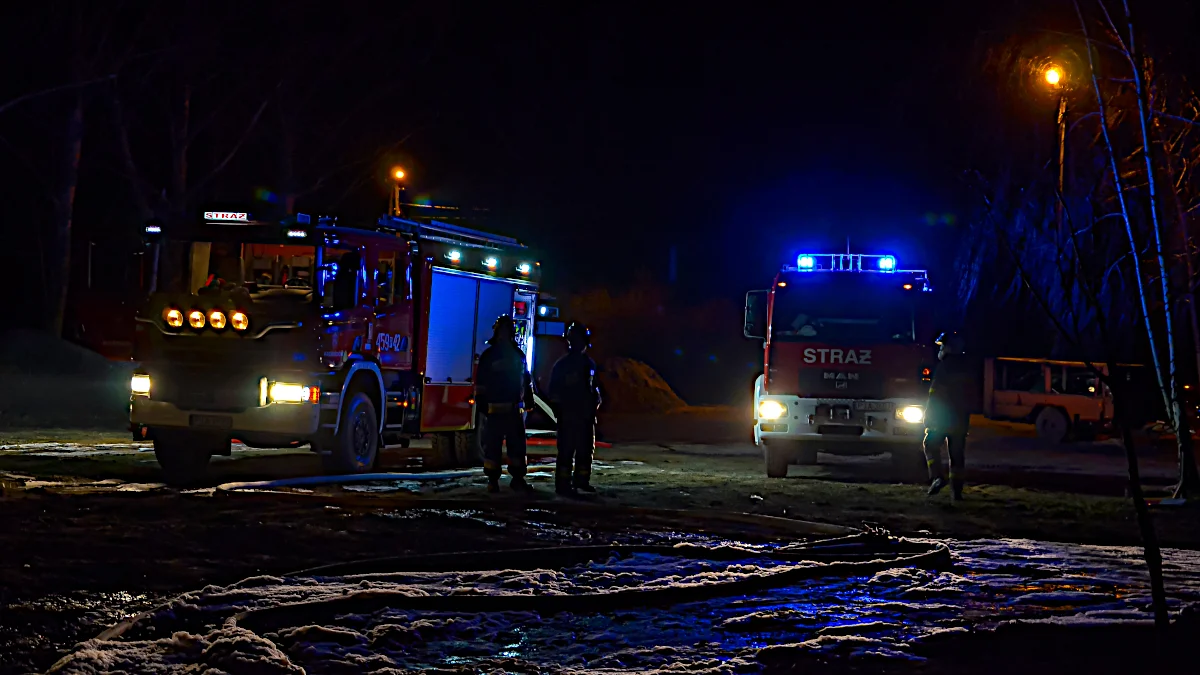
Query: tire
pixel 184 456
pixel 355 447
pixel 776 458
pixel 468 447
pixel 1052 425
pixel 442 455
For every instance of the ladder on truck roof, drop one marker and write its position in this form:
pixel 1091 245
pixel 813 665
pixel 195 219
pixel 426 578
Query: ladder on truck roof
pixel 439 231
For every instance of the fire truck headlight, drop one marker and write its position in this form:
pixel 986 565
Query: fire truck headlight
pixel 912 414
pixel 140 385
pixel 196 319
pixel 524 268
pixel 239 321
pixel 216 319
pixel 491 262
pixel 282 392
pixel 771 410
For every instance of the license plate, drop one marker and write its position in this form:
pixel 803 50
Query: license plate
pixel 874 406
pixel 212 421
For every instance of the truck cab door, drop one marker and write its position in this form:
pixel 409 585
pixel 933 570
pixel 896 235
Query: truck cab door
pixel 393 310
pixel 344 301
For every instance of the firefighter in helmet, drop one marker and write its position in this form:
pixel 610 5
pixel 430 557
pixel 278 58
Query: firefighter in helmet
pixel 503 390
pixel 947 414
pixel 574 398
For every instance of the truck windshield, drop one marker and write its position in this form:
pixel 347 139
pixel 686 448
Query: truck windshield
pixel 842 310
pixel 266 271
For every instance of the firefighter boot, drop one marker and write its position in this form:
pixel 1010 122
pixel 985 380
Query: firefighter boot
pixel 492 471
pixel 936 486
pixel 956 489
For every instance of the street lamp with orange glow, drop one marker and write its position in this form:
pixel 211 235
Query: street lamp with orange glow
pixel 397 179
pixel 1056 78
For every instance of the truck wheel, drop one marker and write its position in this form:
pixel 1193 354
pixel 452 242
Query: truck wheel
pixel 356 446
pixel 184 457
pixel 468 448
pixel 1052 425
pixel 777 456
pixel 442 456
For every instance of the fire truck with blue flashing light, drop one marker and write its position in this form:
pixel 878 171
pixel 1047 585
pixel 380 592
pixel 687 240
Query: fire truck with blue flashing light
pixel 845 368
pixel 306 331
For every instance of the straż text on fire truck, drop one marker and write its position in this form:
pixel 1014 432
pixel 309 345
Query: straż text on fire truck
pixel 860 357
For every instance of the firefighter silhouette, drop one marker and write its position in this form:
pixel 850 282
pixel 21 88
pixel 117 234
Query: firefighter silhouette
pixel 947 415
pixel 574 398
pixel 503 390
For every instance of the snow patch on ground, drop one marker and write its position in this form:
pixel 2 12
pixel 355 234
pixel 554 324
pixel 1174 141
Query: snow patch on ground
pixel 884 616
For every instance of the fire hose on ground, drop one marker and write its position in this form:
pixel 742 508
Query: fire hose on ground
pixel 348 478
pixel 858 554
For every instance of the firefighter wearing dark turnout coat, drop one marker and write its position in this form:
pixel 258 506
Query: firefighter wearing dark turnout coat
pixel 574 398
pixel 503 390
pixel 948 415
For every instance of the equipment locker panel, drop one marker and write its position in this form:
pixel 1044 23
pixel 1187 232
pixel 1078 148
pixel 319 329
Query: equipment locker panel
pixel 451 325
pixel 495 299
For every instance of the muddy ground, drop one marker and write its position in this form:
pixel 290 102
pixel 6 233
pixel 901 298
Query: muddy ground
pixel 89 534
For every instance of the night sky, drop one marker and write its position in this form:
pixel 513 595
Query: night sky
pixel 737 138
pixel 602 135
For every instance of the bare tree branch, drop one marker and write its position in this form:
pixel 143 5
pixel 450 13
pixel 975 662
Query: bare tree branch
pixel 232 151
pixel 54 90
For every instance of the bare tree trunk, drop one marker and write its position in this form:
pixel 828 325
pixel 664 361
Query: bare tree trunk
pixel 1189 479
pixel 179 154
pixel 1153 553
pixel 1119 188
pixel 287 147
pixel 64 208
pixel 1189 476
pixel 136 181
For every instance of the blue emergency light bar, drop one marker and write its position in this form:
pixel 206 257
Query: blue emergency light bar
pixel 856 262
pixel 846 262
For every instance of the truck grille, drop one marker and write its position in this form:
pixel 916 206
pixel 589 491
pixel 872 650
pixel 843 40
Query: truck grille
pixel 193 389
pixel 827 383
pixel 839 430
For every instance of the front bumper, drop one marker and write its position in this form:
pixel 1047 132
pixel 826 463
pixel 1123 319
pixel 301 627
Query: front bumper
pixel 293 420
pixel 837 423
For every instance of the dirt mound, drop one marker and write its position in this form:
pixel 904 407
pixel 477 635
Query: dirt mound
pixel 49 382
pixel 630 386
pixel 28 352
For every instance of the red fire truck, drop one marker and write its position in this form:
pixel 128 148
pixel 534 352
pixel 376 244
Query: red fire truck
pixel 305 331
pixel 846 362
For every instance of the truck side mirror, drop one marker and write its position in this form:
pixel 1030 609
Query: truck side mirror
pixel 756 315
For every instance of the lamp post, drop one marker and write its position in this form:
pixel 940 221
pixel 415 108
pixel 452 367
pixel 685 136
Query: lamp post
pixel 397 177
pixel 1055 78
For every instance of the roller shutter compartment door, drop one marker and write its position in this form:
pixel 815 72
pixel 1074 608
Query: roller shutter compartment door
pixel 495 299
pixel 451 323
